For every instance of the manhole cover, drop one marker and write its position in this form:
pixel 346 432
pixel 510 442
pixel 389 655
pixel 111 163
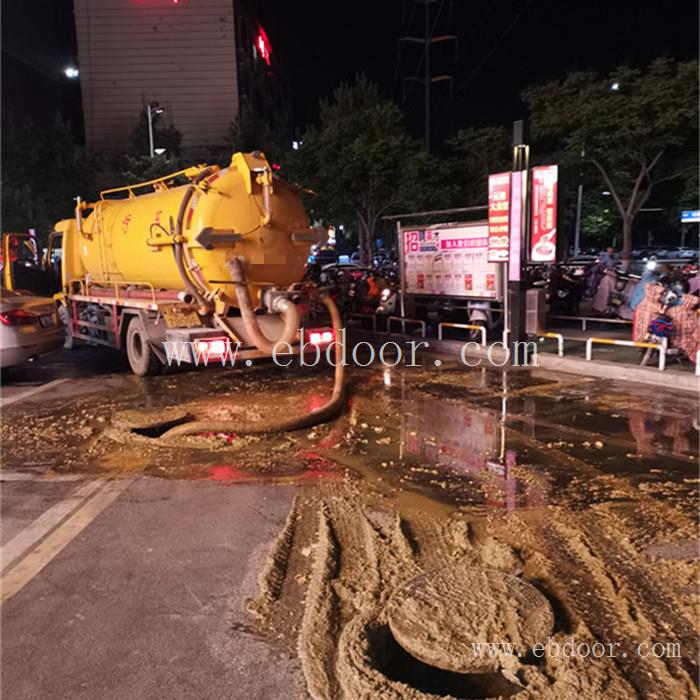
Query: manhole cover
pixel 447 618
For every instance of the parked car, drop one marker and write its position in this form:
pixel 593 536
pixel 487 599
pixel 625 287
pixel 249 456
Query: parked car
pixel 29 327
pixel 322 257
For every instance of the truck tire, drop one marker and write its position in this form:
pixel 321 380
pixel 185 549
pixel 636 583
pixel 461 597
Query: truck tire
pixel 142 360
pixel 64 316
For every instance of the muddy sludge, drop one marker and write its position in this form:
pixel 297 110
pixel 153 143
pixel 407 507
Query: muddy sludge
pixel 346 551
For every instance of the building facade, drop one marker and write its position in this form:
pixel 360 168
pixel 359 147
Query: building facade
pixel 201 61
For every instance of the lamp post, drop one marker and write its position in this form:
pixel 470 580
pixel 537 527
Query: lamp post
pixel 579 205
pixel 152 108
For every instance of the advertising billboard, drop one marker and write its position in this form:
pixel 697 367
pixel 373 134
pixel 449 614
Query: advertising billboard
pixel 499 209
pixel 450 261
pixel 543 232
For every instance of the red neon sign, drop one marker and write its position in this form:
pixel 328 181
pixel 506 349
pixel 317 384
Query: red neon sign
pixel 262 45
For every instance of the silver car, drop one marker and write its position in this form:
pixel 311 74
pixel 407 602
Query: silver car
pixel 29 327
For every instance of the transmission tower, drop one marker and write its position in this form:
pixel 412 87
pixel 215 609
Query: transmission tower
pixel 429 18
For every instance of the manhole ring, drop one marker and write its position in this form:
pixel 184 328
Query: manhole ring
pixel 147 419
pixel 439 616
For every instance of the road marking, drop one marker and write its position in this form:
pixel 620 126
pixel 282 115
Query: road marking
pixel 38 476
pixel 30 392
pixel 47 549
pixel 47 521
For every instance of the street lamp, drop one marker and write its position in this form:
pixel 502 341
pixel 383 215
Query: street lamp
pixel 615 87
pixel 152 108
pixel 71 72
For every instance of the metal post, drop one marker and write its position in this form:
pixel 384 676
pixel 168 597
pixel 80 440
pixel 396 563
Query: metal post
pixel 579 204
pixel 517 288
pixel 149 116
pixel 577 230
pixel 402 269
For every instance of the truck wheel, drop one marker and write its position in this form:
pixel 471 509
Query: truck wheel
pixel 142 360
pixel 64 316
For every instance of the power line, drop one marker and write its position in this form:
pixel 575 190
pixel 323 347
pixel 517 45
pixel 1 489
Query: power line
pixel 492 50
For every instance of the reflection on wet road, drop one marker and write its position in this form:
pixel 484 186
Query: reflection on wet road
pixel 506 440
pixel 583 489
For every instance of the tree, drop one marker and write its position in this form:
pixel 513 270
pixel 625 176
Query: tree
pixel 42 172
pixel 362 164
pixel 137 165
pixel 636 128
pixel 165 136
pixel 249 133
pixel 475 153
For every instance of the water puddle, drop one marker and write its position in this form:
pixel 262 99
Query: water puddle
pixel 503 441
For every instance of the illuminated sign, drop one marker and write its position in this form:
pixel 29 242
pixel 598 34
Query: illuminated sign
pixel 262 46
pixel 499 208
pixel 543 234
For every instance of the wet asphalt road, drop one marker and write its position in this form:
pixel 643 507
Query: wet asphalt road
pixel 137 587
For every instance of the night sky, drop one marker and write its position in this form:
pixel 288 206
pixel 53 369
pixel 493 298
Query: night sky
pixel 502 46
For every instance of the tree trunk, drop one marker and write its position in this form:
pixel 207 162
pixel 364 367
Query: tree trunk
pixel 362 241
pixel 627 238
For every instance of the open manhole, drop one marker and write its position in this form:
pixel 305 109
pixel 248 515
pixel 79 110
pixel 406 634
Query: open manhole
pixel 447 618
pixel 148 422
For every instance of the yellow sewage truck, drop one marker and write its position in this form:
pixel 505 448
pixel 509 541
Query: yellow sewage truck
pixel 203 259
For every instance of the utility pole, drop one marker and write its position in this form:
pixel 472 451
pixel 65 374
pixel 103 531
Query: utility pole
pixel 430 21
pixel 426 75
pixel 517 278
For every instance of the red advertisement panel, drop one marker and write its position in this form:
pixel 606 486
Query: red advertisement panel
pixel 499 207
pixel 543 245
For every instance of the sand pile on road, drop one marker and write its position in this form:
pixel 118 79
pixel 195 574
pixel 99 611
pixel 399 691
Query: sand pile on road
pixel 345 552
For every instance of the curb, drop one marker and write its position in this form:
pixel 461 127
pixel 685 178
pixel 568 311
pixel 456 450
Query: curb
pixel 598 369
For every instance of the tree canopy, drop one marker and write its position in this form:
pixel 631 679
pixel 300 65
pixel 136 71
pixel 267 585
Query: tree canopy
pixel 636 128
pixel 362 164
pixel 42 173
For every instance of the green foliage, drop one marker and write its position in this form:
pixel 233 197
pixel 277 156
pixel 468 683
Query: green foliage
pixel 249 133
pixel 362 164
pixel 633 137
pixel 42 173
pixel 165 136
pixel 475 153
pixel 136 165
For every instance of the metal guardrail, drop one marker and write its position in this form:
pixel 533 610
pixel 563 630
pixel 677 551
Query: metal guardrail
pixel 361 316
pixel 466 326
pixel 403 321
pixel 560 341
pixel 661 347
pixel 592 319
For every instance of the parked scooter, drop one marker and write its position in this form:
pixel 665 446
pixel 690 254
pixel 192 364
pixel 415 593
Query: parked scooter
pixel 614 293
pixel 566 288
pixel 661 328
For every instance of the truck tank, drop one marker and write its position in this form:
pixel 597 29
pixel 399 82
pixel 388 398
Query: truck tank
pixel 185 237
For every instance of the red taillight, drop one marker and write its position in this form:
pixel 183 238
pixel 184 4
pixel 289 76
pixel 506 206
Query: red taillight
pixel 18 317
pixel 212 346
pixel 320 337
